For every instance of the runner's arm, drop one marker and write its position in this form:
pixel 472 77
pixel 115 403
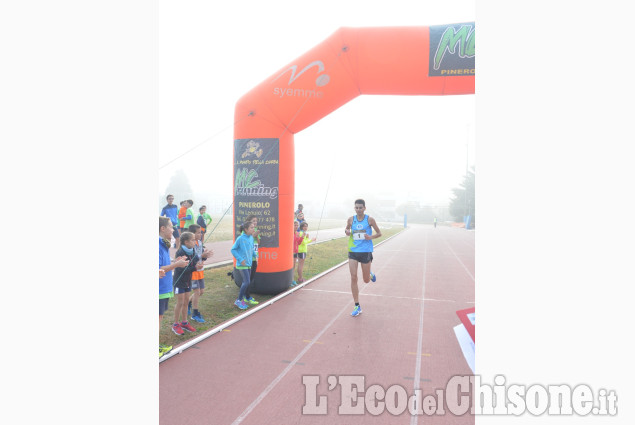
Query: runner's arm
pixel 374 225
pixel 349 224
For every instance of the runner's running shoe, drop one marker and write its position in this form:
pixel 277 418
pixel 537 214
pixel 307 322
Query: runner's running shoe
pixel 187 327
pixel 357 311
pixel 241 305
pixel 176 328
pixel 373 277
pixel 189 308
pixel 250 300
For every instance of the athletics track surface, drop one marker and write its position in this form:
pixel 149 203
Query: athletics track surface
pixel 251 372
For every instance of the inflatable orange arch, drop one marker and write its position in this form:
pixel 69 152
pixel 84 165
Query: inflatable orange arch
pixel 429 60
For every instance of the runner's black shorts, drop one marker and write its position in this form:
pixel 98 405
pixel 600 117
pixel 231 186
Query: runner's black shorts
pixel 362 257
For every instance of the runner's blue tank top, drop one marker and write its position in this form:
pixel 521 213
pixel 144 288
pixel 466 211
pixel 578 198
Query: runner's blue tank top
pixel 358 229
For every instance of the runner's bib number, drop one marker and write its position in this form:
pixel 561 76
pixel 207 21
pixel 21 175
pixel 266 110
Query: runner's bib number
pixel 358 235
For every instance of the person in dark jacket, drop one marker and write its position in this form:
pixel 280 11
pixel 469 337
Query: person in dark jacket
pixel 203 220
pixel 183 283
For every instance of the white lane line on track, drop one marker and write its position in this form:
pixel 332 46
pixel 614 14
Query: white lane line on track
pixel 459 260
pixel 286 370
pixel 282 374
pixel 417 375
pixel 384 296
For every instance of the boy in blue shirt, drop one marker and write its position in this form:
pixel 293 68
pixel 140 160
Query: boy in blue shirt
pixel 165 272
pixel 243 252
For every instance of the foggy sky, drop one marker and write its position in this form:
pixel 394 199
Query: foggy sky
pixel 402 147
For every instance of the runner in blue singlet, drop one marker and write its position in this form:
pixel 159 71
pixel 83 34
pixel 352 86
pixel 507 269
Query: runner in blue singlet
pixel 359 229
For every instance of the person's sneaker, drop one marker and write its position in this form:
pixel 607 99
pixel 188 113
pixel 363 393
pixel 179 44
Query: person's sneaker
pixel 241 305
pixel 357 311
pixel 187 327
pixel 373 278
pixel 176 328
pixel 164 349
pixel 189 309
pixel 250 300
pixel 198 318
pixel 294 283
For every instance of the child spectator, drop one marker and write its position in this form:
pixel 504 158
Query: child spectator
pixel 182 216
pixel 300 217
pixel 297 238
pixel 254 261
pixel 298 211
pixel 198 276
pixel 203 220
pixel 189 215
pixel 183 283
pixel 243 252
pixel 165 272
pixel 302 248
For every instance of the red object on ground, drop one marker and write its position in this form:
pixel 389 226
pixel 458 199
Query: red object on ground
pixel 463 315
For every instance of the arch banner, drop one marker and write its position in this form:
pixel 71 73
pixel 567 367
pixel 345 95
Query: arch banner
pixel 429 60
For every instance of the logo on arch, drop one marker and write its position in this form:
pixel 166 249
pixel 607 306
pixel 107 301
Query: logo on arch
pixel 452 50
pixel 315 68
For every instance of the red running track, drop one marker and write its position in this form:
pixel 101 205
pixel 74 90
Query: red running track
pixel 252 372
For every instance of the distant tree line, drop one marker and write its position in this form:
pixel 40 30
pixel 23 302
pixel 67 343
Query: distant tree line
pixel 463 201
pixel 417 213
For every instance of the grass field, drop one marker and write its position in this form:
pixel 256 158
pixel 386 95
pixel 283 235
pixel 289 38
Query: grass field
pixel 217 302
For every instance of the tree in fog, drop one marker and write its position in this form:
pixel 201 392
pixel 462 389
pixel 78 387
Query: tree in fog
pixel 179 186
pixel 463 202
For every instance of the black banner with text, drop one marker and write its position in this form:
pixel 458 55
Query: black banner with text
pixel 256 176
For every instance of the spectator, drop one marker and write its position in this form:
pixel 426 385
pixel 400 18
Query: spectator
pixel 166 266
pixel 182 216
pixel 302 249
pixel 189 215
pixel 171 211
pixel 254 262
pixel 198 276
pixel 183 283
pixel 297 238
pixel 203 220
pixel 300 218
pixel 243 252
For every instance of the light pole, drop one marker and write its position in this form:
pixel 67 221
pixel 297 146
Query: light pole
pixel 467 161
